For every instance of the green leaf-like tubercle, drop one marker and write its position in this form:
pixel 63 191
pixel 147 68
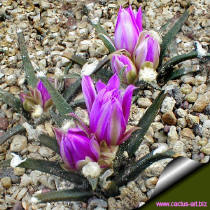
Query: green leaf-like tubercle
pixel 62 106
pixel 137 137
pixel 64 195
pixel 28 68
pixel 172 34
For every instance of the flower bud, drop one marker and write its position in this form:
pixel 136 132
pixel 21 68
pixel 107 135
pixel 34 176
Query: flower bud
pixel 147 50
pixel 123 63
pixel 127 29
pixel 36 99
pixel 76 148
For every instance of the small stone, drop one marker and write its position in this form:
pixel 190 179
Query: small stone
pixel 166 128
pixel 178 148
pixel 172 135
pixel 207 110
pixel 201 103
pixel 205 159
pixel 3 123
pixel 14 90
pixel 206 149
pixel 200 79
pixel 181 122
pixel 45 152
pixel 185 105
pixel 186 89
pixel 157 167
pixel 18 144
pixel 22 193
pixel 32 148
pixel 181 112
pixel 187 132
pixel 169 118
pixel 25 180
pixel 203 141
pixel 201 89
pixel 157 126
pixel 192 97
pixel 160 136
pixel 6 182
pixel 96 203
pixel 144 102
pixel 165 1
pixel 197 129
pixel 192 120
pixel 19 171
pixel 151 182
pixel 168 104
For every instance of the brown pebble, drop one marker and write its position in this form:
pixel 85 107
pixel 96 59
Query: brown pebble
pixel 169 118
pixel 187 132
pixel 3 123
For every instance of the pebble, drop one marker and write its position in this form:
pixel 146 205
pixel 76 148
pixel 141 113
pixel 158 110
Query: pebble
pixel 96 203
pixel 197 129
pixel 19 171
pixel 169 118
pixel 181 112
pixel 186 89
pixel 202 141
pixel 201 103
pixel 6 182
pixel 172 135
pixel 178 148
pixel 157 126
pixel 151 182
pixel 25 180
pixel 191 97
pixel 45 152
pixel 187 132
pixel 18 144
pixel 22 193
pixel 144 102
pixel 3 123
pixel 156 168
pixel 200 79
pixel 192 120
pixel 160 136
pixel 168 104
pixel 206 149
pixel 201 89
pixel 207 110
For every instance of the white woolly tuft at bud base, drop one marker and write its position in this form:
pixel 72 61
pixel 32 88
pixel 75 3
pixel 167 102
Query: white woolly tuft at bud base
pixel 92 169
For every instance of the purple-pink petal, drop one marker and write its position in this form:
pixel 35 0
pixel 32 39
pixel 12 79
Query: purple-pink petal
pixel 150 50
pixel 126 30
pixel 100 85
pixel 139 19
pixel 113 83
pixel 89 92
pixel 126 101
pixel 117 125
pixel 44 92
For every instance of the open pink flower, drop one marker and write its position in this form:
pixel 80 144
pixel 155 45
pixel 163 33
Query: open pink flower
pixel 108 108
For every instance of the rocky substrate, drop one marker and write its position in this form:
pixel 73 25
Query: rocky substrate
pixel 52 28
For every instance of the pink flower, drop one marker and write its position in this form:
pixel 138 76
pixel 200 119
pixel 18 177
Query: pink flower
pixel 127 29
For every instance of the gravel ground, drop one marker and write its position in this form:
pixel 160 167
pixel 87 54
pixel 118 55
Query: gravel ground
pixel 52 28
